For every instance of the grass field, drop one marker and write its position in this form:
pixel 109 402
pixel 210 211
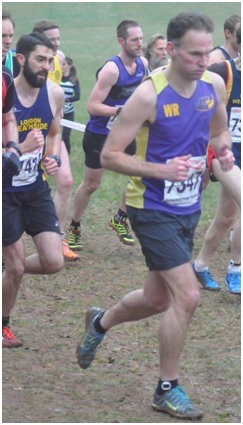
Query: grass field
pixel 88 29
pixel 41 381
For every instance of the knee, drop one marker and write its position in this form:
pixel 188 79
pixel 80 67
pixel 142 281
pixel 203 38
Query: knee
pixel 192 301
pixel 156 303
pixel 228 220
pixel 91 186
pixel 64 180
pixel 53 264
pixel 15 268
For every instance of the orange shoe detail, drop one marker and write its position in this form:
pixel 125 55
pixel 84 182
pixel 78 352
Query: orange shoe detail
pixel 68 254
pixel 9 340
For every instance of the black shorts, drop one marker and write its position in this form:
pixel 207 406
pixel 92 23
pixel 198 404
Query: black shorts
pixel 93 144
pixel 166 240
pixel 32 211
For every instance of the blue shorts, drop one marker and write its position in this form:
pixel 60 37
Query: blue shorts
pixel 32 211
pixel 166 239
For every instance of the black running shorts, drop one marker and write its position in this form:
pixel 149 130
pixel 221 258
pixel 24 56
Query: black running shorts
pixel 32 211
pixel 93 144
pixel 166 240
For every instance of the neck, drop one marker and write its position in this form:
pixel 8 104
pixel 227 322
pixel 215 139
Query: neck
pixel 182 86
pixel 232 52
pixel 238 63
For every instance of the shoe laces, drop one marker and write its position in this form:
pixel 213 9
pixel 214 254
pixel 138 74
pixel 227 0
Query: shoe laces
pixel 183 397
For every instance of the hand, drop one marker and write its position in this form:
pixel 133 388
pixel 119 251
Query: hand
pixel 33 142
pixel 226 158
pixel 50 165
pixel 177 169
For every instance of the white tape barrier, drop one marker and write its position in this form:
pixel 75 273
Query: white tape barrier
pixel 73 125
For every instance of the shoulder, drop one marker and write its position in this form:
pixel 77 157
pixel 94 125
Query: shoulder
pixel 145 62
pixel 61 57
pixel 216 56
pixel 55 92
pixel 110 71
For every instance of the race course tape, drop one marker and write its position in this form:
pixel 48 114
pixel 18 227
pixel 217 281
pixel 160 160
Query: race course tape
pixel 73 125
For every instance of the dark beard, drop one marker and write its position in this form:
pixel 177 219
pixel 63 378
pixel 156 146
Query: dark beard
pixel 32 78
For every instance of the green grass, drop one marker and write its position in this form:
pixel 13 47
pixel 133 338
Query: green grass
pixel 88 29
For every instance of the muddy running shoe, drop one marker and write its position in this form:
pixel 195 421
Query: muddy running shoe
pixel 233 282
pixel 74 238
pixel 122 229
pixel 206 280
pixel 9 340
pixel 87 348
pixel 176 403
pixel 68 254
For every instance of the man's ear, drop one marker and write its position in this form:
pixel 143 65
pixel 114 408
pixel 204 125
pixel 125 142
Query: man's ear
pixel 20 59
pixel 170 48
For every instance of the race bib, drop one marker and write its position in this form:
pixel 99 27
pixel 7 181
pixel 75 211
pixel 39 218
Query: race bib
pixel 235 124
pixel 112 119
pixel 185 194
pixel 29 168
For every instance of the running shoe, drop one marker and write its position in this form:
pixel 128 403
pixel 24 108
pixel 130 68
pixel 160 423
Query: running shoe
pixel 206 280
pixel 9 340
pixel 176 403
pixel 74 238
pixel 68 254
pixel 233 282
pixel 123 231
pixel 87 348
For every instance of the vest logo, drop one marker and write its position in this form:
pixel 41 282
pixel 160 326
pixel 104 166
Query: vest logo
pixel 205 103
pixel 171 110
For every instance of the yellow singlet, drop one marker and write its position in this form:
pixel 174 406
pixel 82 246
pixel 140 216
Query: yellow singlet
pixel 56 74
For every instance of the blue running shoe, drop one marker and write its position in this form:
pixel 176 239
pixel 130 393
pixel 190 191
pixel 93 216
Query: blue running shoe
pixel 206 280
pixel 176 403
pixel 233 282
pixel 87 348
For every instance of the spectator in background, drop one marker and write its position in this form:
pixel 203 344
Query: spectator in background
pixel 8 56
pixel 156 51
pixel 71 87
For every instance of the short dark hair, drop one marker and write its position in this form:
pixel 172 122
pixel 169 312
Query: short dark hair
pixel 230 23
pixel 6 15
pixel 122 28
pixel 45 25
pixel 183 22
pixel 28 42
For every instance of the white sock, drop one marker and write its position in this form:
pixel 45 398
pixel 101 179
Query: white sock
pixel 198 268
pixel 232 268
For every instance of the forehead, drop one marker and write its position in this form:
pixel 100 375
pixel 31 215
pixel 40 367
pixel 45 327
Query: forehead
pixel 134 32
pixel 159 44
pixel 42 51
pixel 196 40
pixel 53 33
pixel 7 27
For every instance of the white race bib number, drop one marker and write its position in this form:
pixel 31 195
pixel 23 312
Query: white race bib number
pixel 29 168
pixel 112 119
pixel 185 193
pixel 235 124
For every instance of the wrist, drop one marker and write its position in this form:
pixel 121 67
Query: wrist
pixel 13 145
pixel 57 159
